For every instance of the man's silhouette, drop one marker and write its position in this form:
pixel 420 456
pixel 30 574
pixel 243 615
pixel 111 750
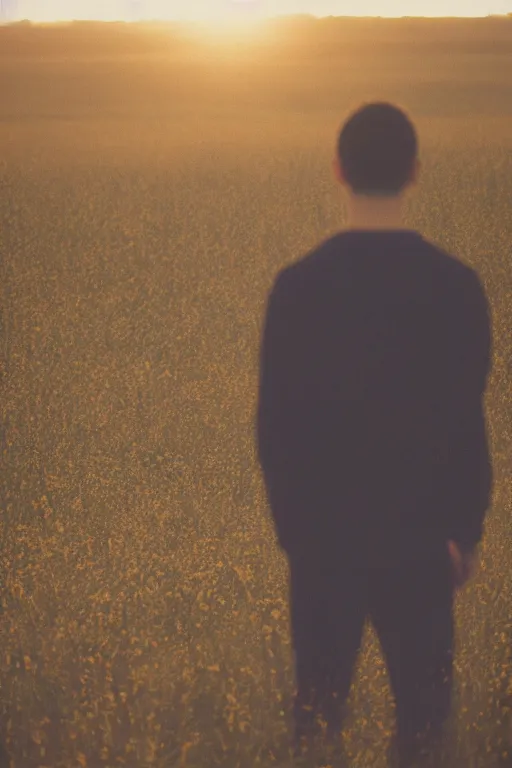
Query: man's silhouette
pixel 372 440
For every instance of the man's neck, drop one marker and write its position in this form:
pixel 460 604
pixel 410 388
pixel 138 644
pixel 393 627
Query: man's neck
pixel 374 213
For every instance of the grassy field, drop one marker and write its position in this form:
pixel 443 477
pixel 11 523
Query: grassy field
pixel 151 189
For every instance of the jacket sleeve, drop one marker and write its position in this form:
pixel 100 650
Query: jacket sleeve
pixel 278 427
pixel 470 478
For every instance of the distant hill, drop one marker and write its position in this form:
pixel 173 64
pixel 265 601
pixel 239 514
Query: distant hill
pixel 304 34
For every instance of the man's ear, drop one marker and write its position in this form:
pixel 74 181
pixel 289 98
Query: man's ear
pixel 337 170
pixel 415 173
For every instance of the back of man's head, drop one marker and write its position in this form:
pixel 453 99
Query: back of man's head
pixel 377 150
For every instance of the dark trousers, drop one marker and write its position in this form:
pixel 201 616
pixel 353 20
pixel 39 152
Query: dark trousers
pixel 411 609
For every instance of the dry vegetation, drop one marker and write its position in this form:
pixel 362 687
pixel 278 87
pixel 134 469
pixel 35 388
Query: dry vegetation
pixel 150 192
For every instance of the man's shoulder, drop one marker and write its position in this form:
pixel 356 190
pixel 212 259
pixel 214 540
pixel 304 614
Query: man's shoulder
pixel 310 264
pixel 451 264
pixel 448 275
pixel 458 281
pixel 430 255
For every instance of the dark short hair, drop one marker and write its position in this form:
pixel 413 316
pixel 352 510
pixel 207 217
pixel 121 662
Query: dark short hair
pixel 377 148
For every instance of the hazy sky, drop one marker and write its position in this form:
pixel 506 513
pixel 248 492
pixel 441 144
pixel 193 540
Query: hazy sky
pixel 222 9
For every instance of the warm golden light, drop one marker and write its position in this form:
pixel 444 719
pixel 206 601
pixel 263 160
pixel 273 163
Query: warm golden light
pixel 215 12
pixel 240 14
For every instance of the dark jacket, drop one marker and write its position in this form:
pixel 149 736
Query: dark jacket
pixel 370 427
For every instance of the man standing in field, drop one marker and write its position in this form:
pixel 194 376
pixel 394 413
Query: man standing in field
pixel 372 440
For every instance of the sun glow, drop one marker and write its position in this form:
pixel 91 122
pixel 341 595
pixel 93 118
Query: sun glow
pixel 235 14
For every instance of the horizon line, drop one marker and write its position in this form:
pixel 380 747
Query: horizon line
pixel 285 16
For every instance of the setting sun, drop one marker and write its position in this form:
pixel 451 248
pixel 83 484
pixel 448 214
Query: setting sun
pixel 233 13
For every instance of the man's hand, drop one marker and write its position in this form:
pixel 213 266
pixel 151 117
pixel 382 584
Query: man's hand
pixel 464 564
